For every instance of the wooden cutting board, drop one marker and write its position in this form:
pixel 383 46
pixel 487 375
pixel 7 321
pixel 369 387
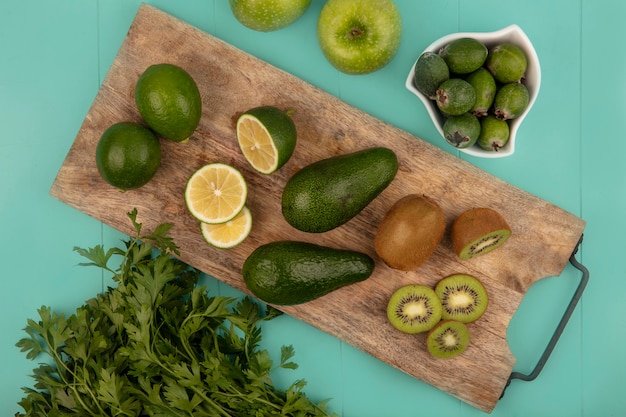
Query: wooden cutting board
pixel 231 82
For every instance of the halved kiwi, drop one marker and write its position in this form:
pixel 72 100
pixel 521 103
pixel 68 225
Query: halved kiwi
pixel 448 339
pixel 463 298
pixel 478 231
pixel 414 309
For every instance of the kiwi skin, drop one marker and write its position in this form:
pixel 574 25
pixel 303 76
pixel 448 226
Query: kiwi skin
pixel 440 336
pixel 478 227
pixel 407 307
pixel 455 292
pixel 409 232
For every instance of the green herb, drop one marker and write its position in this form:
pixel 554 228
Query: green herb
pixel 156 344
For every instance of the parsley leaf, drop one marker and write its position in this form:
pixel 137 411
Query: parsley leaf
pixel 157 344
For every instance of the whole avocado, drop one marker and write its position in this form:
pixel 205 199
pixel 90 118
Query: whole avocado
pixel 293 272
pixel 327 193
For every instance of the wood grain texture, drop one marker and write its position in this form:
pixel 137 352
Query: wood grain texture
pixel 231 82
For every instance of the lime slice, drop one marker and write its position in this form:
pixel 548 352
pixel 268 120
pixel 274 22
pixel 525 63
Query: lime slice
pixel 216 193
pixel 267 138
pixel 229 234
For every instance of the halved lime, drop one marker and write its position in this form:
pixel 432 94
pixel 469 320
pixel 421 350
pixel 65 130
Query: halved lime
pixel 267 137
pixel 229 234
pixel 216 193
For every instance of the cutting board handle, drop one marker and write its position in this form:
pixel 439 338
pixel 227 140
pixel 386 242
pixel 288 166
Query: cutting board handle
pixel 561 326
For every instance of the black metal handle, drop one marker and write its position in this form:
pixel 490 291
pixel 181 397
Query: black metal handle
pixel 559 330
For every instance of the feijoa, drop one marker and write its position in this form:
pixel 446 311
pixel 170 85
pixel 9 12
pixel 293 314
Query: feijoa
pixel 485 87
pixel 430 71
pixel 511 100
pixel 494 133
pixel 461 131
pixel 455 96
pixel 464 55
pixel 507 62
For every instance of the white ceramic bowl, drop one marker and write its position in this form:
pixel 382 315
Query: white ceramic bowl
pixel 512 34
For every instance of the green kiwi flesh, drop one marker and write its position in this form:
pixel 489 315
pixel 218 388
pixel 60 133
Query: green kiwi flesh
pixel 463 298
pixel 449 338
pixel 414 309
pixel 478 231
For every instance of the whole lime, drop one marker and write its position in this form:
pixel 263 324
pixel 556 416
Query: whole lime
pixel 128 155
pixel 169 101
pixel 268 15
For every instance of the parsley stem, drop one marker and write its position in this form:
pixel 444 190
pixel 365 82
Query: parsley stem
pixel 156 341
pixel 62 368
pixel 210 402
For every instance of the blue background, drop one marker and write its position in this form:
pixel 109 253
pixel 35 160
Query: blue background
pixel 54 55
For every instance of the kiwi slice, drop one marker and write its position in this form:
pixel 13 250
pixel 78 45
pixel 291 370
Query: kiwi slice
pixel 414 309
pixel 478 231
pixel 463 298
pixel 448 339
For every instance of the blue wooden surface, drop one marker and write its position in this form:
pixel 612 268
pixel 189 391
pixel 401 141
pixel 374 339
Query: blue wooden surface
pixel 55 53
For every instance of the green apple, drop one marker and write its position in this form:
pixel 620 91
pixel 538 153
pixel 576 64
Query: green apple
pixel 268 15
pixel 359 36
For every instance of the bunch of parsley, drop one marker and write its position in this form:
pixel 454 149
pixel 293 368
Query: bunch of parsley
pixel 156 344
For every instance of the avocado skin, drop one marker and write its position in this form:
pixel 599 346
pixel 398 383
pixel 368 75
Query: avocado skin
pixel 327 193
pixel 293 272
